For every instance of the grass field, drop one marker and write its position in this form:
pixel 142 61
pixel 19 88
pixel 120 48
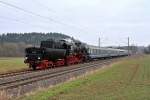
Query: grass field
pixel 11 64
pixel 124 80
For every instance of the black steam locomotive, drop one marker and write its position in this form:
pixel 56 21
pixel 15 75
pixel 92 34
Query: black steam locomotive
pixel 53 53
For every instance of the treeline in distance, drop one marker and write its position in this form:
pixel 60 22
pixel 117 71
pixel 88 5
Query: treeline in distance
pixel 14 44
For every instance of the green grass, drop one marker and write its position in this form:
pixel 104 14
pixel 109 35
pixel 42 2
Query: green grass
pixel 124 80
pixel 11 64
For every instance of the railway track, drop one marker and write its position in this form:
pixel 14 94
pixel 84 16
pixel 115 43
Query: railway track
pixel 14 73
pixel 28 78
pixel 25 71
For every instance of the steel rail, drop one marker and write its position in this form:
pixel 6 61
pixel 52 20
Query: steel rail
pixel 31 79
pixel 5 78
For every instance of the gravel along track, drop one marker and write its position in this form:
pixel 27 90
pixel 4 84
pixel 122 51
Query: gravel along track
pixel 24 75
pixel 24 82
pixel 15 73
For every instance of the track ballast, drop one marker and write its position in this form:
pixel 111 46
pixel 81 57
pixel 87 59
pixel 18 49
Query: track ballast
pixel 26 81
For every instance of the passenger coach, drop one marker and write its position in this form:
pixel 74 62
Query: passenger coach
pixel 97 52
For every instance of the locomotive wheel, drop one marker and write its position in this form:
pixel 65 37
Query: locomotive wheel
pixel 34 67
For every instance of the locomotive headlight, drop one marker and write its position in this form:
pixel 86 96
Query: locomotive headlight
pixel 26 58
pixel 39 58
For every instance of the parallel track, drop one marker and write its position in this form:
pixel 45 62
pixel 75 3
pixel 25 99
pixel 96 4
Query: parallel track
pixel 14 73
pixel 25 71
pixel 24 79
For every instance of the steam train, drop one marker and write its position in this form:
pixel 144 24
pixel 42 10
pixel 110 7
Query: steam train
pixel 53 53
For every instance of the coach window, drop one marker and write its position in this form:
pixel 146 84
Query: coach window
pixel 94 51
pixel 97 51
pixel 89 51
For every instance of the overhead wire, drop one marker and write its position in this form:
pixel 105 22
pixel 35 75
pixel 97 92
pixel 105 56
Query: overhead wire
pixel 51 10
pixel 44 6
pixel 36 14
pixel 26 11
pixel 22 22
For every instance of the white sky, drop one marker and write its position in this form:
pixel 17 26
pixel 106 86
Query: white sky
pixel 86 20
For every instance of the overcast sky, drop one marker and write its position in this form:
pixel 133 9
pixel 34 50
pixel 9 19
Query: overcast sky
pixel 86 20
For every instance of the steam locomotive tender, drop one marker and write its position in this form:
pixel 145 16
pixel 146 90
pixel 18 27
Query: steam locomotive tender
pixel 52 53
